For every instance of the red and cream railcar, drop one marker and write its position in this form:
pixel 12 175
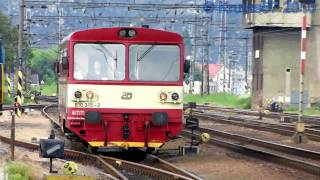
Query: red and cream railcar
pixel 121 87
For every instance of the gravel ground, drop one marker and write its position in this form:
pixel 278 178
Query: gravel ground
pixel 41 165
pixel 35 126
pixel 217 163
pixel 264 135
pixel 212 162
pixel 27 127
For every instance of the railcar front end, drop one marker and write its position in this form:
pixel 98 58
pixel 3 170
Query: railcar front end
pixel 122 87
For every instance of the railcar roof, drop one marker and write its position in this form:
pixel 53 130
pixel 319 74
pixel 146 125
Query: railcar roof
pixel 112 34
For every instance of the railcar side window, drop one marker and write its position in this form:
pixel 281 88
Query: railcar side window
pixel 154 62
pixel 63 54
pixel 99 61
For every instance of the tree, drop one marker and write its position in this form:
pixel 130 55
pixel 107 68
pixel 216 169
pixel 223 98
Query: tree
pixel 43 63
pixel 9 35
pixel 197 74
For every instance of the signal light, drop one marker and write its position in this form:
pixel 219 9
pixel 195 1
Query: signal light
pixel 175 96
pixel 163 96
pixel 77 94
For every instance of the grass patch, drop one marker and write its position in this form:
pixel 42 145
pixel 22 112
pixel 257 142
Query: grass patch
pixel 313 110
pixel 49 90
pixel 221 99
pixel 17 171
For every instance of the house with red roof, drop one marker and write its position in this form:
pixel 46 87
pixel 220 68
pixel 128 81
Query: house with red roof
pixel 217 73
pixel 219 80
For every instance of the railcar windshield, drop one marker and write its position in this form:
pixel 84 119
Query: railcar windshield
pixel 99 61
pixel 154 62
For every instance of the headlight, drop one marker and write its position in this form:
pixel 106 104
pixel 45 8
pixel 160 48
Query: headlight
pixel 77 94
pixel 132 33
pixel 127 33
pixel 89 94
pixel 163 96
pixel 123 33
pixel 175 96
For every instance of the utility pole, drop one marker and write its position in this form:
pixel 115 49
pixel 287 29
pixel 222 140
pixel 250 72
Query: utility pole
pixel 10 20
pixel 19 97
pixel 21 29
pixel 60 22
pixel 10 9
pixel 202 73
pixel 224 45
pixel 193 63
pixel 27 70
pixel 246 63
pixel 207 55
pixel 300 136
pixel 219 16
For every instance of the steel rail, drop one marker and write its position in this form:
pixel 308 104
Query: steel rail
pixel 46 114
pixel 32 106
pixel 144 169
pixel 264 153
pixel 170 167
pixel 307 118
pixel 263 126
pixel 262 143
pixel 72 155
pixel 127 165
pixel 46 98
pixel 108 164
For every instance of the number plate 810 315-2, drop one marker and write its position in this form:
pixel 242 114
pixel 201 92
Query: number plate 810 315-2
pixel 87 105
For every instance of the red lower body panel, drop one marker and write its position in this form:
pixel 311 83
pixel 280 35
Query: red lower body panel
pixel 124 127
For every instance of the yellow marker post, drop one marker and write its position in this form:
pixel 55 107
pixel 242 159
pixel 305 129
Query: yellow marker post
pixel 9 86
pixel 19 97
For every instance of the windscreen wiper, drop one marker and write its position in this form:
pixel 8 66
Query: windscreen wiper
pixel 145 53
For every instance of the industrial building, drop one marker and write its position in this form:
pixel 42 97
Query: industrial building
pixel 276 52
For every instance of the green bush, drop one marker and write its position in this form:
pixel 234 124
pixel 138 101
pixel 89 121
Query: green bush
pixel 49 89
pixel 317 105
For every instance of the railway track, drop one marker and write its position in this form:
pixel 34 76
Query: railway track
pixel 313 120
pixel 295 157
pixel 52 99
pixel 128 169
pixel 118 168
pixel 283 129
pixel 32 106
